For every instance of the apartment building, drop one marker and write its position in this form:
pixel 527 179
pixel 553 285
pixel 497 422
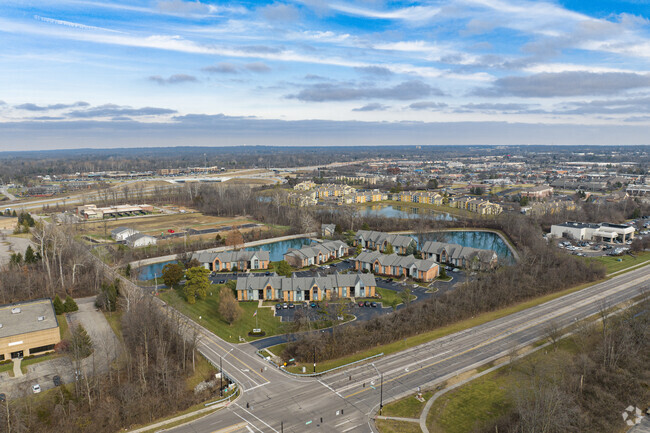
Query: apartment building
pixel 300 289
pixel 378 241
pixel 316 254
pixel 229 260
pixel 459 256
pixel 395 266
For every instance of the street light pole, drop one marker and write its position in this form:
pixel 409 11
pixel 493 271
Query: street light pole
pixel 220 377
pixel 381 387
pixel 314 359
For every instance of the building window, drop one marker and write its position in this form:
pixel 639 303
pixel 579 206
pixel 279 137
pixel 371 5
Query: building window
pixel 41 349
pixel 2 357
pixel 344 292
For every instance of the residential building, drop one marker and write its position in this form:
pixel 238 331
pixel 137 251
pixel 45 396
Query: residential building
pixel 423 197
pixel 316 254
pixel 476 205
pixel 121 233
pixel 28 328
pixel 537 192
pixel 140 240
pixel 304 186
pixel 592 232
pixel 229 260
pixel 372 240
pixel 397 266
pixel 459 256
pixel 333 190
pixel 302 199
pixel 299 289
pixel 328 230
pixel 635 190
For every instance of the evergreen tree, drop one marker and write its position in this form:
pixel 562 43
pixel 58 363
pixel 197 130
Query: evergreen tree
pixel 389 249
pixel 30 257
pixel 70 305
pixel 58 305
pixel 197 284
pixel 284 269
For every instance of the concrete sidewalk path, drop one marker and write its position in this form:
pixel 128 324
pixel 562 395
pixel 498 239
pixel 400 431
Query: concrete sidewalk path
pixel 17 371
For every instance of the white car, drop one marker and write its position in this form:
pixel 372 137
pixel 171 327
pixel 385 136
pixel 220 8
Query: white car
pixel 36 388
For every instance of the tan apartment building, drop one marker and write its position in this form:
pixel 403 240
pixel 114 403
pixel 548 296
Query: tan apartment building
pixel 28 328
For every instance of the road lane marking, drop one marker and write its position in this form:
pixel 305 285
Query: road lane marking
pixel 256 417
pixel 351 428
pixel 247 423
pixel 330 388
pixel 524 326
pixel 232 428
pixel 232 355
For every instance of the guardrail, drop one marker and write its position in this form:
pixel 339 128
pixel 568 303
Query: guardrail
pixel 320 373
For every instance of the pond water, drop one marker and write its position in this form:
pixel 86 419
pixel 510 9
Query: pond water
pixel 474 239
pixel 277 249
pixel 403 211
pixel 276 252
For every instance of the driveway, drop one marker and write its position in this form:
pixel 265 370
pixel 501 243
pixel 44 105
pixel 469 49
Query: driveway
pixel 105 343
pixel 10 244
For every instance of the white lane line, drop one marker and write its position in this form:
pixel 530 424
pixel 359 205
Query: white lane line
pixel 351 428
pixel 249 429
pixel 257 418
pixel 344 422
pixel 330 388
pixel 229 363
pixel 247 423
pixel 257 386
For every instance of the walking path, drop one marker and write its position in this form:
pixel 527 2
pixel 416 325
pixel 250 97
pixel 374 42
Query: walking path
pixel 17 371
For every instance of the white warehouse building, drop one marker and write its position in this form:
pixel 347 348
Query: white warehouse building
pixel 592 232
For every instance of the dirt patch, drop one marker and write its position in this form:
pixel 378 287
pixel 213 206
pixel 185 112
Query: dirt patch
pixel 8 223
pixel 461 377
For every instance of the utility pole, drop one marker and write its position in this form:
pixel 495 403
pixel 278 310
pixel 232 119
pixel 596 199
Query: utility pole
pixel 381 388
pixel 314 359
pixel 220 377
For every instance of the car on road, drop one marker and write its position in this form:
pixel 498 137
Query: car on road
pixel 57 380
pixel 36 388
pixel 285 306
pixel 292 306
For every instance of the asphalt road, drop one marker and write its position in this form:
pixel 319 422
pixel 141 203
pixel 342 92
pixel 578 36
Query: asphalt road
pixel 273 401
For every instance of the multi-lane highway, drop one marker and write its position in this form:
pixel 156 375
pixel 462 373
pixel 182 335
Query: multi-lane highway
pixel 345 401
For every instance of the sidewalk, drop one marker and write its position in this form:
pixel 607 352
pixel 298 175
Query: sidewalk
pixel 17 371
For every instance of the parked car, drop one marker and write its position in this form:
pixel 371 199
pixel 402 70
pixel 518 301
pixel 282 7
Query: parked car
pixel 57 380
pixel 373 304
pixel 333 265
pixel 3 397
pixel 285 305
pixel 36 388
pixel 313 305
pixel 292 306
pixel 360 304
pixel 267 273
pixel 366 304
pixel 278 306
pixel 222 281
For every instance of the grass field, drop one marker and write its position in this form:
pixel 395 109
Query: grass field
pixel 408 407
pixel 389 298
pixel 9 366
pixel 206 313
pixel 619 263
pixel 491 396
pixel 391 426
pixel 154 225
pixel 63 326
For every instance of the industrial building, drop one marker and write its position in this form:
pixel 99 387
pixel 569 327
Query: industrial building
pixel 28 328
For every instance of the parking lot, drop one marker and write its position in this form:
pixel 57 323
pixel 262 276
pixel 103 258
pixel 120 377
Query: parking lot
pixel 318 313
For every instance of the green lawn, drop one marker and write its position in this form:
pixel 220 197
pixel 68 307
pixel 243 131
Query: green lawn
pixel 63 326
pixel 408 407
pixel 618 263
pixel 389 298
pixel 206 313
pixel 391 426
pixel 9 366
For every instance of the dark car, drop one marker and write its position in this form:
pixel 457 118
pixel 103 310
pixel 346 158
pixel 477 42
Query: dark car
pixel 333 265
pixel 313 305
pixel 222 281
pixel 292 306
pixel 278 306
pixel 267 273
pixel 3 397
pixel 366 304
pixel 390 280
pixel 373 304
pixel 57 380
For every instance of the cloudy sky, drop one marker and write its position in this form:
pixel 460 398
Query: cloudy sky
pixel 86 73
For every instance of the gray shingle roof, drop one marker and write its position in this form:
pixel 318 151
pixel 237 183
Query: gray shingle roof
pixel 395 260
pixel 314 249
pixel 232 256
pixel 458 251
pixel 381 237
pixel 305 283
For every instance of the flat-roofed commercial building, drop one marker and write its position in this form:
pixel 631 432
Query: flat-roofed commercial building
pixel 27 328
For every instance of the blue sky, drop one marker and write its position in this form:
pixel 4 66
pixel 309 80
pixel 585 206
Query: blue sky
pixel 97 73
